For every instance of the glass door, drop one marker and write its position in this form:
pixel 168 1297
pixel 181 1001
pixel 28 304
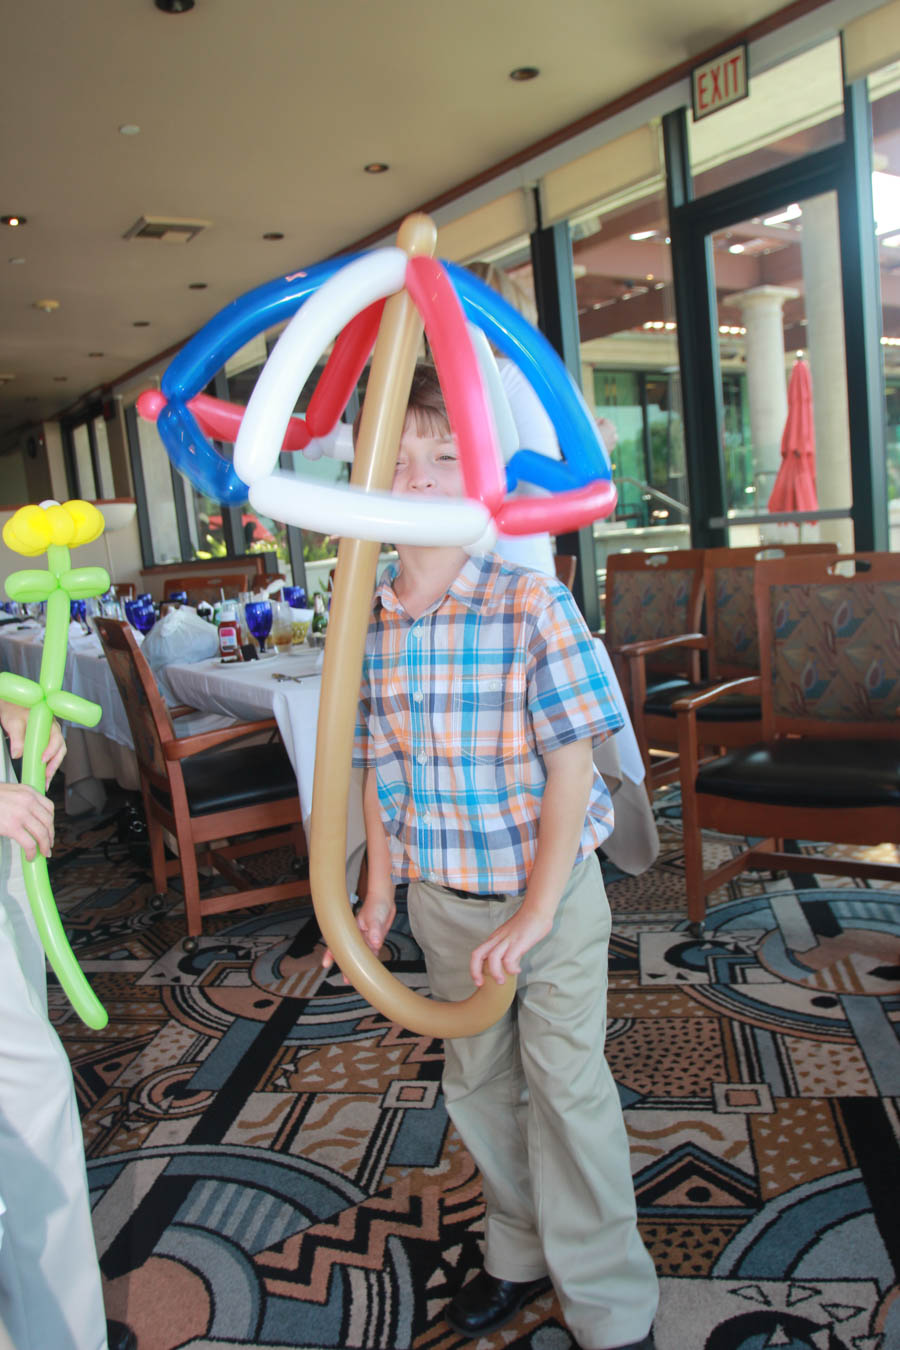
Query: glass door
pixel 783 375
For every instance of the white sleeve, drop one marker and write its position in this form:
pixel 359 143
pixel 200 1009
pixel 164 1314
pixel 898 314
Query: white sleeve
pixel 532 423
pixel 338 444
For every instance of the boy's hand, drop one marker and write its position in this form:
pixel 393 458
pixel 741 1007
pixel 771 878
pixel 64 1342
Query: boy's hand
pixel 501 954
pixel 374 917
pixel 26 817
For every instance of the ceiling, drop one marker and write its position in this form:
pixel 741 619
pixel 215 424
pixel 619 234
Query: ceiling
pixel 260 118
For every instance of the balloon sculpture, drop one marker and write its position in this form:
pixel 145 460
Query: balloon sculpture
pixel 381 299
pixel 52 528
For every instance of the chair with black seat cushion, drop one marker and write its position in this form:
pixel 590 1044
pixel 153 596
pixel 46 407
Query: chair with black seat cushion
pixel 653 635
pixel 206 789
pixel 826 765
pixel 731 650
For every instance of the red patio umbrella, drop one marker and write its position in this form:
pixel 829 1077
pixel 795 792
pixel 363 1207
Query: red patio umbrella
pixel 259 530
pixel 795 487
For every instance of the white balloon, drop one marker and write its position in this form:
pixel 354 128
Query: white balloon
pixel 382 516
pixel 504 423
pixel 363 281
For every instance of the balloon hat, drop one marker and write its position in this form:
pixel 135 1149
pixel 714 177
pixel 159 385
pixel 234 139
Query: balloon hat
pixel 53 528
pixel 381 299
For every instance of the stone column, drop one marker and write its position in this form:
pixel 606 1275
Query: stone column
pixel 821 255
pixel 762 315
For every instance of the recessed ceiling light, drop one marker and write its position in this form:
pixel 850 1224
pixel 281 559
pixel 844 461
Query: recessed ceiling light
pixel 13 221
pixel 48 306
pixel 197 285
pixel 523 73
pixel 174 6
pixel 60 379
pixel 16 262
pixel 129 129
pixel 377 166
pixel 96 354
pixel 273 235
pixel 141 323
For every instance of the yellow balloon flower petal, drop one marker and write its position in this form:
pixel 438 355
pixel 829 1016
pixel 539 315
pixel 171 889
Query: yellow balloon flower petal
pixel 88 521
pixel 28 531
pixel 61 525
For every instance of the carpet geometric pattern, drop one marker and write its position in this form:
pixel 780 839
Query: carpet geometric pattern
pixel 271 1164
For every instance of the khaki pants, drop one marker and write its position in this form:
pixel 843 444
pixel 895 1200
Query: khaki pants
pixel 537 1107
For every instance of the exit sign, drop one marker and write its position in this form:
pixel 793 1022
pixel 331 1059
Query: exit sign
pixel 719 82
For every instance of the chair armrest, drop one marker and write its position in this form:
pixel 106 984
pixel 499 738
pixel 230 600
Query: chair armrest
pixel 182 710
pixel 208 740
pixel 647 646
pixel 688 703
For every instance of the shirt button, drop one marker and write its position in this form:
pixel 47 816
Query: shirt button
pixel 426 819
pixel 418 696
pixel 495 684
pixel 422 758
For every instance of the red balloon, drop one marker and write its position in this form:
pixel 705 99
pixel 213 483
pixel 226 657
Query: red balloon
pixel 460 376
pixel 351 351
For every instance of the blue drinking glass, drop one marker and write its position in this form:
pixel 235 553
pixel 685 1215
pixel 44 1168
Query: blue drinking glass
pixel 258 614
pixel 143 617
pixel 78 610
pixel 295 596
pixel 177 598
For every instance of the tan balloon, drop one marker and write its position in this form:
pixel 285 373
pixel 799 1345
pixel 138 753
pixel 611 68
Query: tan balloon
pixel 381 426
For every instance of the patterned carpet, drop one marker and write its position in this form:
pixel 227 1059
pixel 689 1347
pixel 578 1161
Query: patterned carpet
pixel 271 1164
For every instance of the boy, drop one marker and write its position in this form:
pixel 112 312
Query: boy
pixel 481 698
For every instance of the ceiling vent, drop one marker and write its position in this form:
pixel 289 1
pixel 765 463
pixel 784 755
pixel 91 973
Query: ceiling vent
pixel 166 229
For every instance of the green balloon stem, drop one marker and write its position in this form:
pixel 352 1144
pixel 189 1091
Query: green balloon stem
pixel 37 738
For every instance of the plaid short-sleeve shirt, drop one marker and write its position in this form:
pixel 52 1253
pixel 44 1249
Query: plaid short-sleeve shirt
pixel 457 710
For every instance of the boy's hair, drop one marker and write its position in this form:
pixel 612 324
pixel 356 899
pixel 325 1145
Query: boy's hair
pixel 426 404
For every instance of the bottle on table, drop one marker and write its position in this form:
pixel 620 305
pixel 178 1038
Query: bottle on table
pixel 230 637
pixel 320 614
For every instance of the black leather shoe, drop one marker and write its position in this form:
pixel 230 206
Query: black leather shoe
pixel 648 1343
pixel 120 1337
pixel 486 1303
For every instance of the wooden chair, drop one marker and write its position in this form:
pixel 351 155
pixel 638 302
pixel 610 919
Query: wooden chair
pixel 208 585
pixel 205 788
pixel 124 589
pixel 731 650
pixel 653 635
pixel 826 766
pixel 566 567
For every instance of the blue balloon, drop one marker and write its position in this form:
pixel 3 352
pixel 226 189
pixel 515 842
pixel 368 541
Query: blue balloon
pixel 585 458
pixel 195 365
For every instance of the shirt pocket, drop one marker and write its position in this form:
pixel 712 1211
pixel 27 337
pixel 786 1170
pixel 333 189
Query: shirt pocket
pixel 487 717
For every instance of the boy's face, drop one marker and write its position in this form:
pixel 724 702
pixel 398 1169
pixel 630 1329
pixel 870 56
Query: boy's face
pixel 428 463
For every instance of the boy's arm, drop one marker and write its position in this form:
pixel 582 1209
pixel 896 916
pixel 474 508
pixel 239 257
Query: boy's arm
pixel 570 775
pixel 376 914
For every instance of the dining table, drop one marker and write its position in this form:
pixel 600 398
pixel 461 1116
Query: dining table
pixel 105 752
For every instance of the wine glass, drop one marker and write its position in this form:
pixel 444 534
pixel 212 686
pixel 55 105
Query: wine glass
pixel 143 617
pixel 258 614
